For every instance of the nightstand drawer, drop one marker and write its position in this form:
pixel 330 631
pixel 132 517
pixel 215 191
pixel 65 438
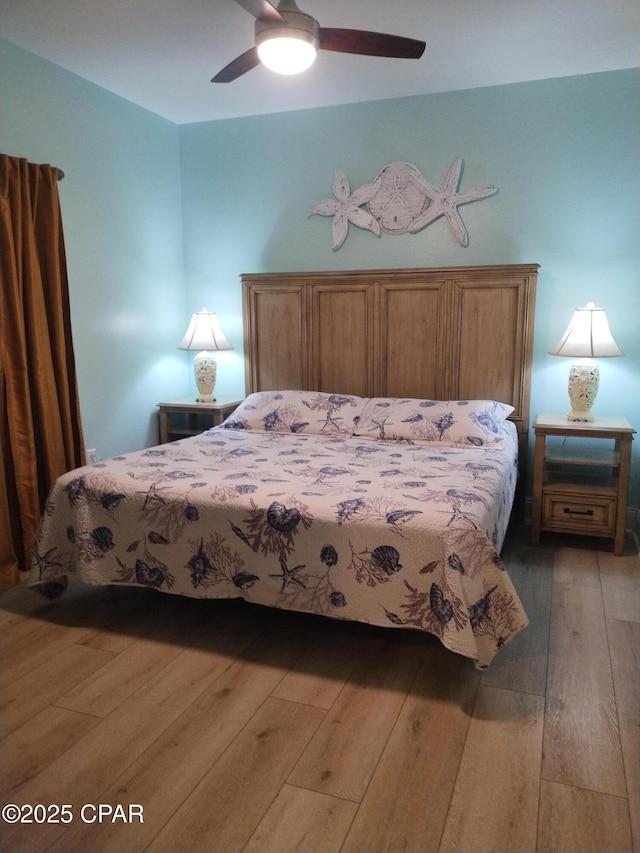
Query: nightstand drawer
pixel 594 514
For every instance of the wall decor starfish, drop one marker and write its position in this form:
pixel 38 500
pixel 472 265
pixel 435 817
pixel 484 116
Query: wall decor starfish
pixel 347 208
pixel 446 201
pixel 399 200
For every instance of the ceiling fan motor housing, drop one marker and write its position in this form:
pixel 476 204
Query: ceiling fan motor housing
pixel 298 25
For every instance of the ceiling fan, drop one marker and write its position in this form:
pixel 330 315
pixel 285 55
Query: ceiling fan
pixel 286 40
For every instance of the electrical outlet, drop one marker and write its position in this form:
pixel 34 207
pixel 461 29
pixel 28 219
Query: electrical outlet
pixel 92 456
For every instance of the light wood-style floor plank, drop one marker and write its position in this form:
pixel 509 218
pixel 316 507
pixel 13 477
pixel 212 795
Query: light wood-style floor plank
pixel 103 691
pixel 185 751
pixel 343 755
pixel 630 737
pixel 230 801
pixel 406 803
pixel 48 641
pixel 322 670
pixel 24 697
pixel 111 746
pixel 126 626
pixel 576 567
pixel 16 626
pixel 27 751
pixel 624 644
pixel 620 580
pixel 573 819
pixel 301 821
pixel 82 613
pixel 495 800
pixel 582 739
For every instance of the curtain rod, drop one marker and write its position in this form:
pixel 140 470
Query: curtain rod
pixel 59 173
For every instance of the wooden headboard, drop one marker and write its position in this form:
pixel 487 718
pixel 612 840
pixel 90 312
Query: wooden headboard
pixel 445 334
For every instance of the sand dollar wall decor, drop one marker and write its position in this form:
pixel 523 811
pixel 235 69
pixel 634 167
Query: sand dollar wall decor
pixel 399 200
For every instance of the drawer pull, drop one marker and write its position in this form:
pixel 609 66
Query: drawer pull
pixel 569 511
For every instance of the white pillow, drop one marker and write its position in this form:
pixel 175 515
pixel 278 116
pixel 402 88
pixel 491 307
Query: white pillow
pixel 456 422
pixel 300 412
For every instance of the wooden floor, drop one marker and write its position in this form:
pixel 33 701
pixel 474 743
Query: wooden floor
pixel 236 728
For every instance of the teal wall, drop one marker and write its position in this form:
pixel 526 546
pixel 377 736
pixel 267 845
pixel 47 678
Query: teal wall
pixel 233 196
pixel 563 154
pixel 122 219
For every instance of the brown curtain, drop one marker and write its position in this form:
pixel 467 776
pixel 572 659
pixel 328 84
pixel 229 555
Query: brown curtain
pixel 40 428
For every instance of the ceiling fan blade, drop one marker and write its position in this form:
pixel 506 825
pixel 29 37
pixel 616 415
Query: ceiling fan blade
pixel 239 66
pixel 370 44
pixel 262 10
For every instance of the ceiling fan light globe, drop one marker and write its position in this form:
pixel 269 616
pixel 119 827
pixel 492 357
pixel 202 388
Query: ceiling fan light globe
pixel 288 54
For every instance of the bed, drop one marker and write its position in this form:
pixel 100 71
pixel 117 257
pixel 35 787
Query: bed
pixel 385 509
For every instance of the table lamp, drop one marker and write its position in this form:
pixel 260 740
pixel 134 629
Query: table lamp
pixel 587 337
pixel 205 335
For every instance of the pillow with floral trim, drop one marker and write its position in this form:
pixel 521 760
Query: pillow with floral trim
pixel 471 423
pixel 300 412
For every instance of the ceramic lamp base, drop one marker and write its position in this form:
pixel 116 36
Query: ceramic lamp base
pixel 584 380
pixel 204 371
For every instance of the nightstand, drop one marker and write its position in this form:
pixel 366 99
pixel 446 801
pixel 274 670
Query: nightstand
pixel 182 417
pixel 580 485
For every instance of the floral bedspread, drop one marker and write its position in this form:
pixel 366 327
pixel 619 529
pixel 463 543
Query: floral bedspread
pixel 392 532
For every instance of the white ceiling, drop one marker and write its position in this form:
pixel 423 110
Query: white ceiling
pixel 161 54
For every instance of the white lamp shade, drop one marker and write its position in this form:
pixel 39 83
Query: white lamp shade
pixel 588 335
pixel 204 333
